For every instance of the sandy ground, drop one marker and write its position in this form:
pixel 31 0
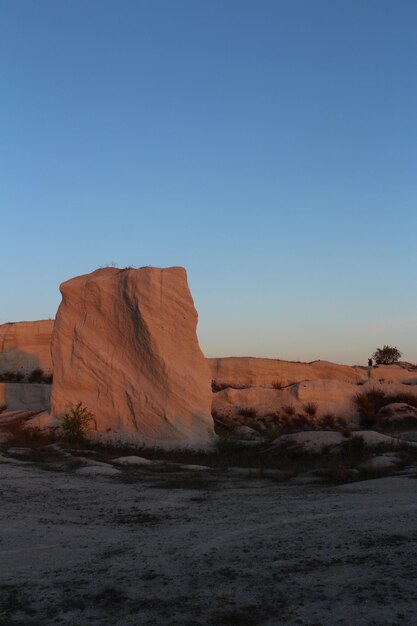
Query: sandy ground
pixel 151 545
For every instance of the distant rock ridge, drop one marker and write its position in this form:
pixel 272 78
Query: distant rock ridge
pixel 26 346
pixel 125 344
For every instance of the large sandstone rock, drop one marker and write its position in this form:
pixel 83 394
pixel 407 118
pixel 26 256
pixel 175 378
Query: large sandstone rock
pixel 26 346
pixel 328 391
pixel 125 345
pixel 330 396
pixel 241 372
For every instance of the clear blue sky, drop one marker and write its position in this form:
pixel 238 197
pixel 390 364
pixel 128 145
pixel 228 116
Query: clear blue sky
pixel 269 146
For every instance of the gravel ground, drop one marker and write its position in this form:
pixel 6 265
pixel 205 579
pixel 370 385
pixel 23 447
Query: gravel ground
pixel 158 545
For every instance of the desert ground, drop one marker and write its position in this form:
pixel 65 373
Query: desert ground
pixel 88 541
pixel 228 491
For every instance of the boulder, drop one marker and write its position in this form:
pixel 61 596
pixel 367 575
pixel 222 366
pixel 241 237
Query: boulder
pixel 125 345
pixel 397 412
pixel 25 347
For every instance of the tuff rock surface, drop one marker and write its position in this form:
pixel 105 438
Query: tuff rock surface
pixel 125 345
pixel 26 346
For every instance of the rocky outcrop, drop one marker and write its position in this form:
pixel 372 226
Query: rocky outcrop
pixel 240 372
pixel 125 345
pixel 253 404
pixel 397 412
pixel 25 347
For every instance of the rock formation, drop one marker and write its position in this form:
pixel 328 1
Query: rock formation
pixel 125 345
pixel 25 347
pixel 240 372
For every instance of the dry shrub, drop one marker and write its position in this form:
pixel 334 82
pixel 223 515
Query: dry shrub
pixel 328 421
pixel 310 408
pixel 39 376
pixel 11 377
pixel 76 422
pixel 402 396
pixel 247 411
pixel 288 409
pixel 371 401
pixel 368 405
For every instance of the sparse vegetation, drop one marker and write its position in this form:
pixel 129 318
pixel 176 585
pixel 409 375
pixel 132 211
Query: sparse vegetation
pixel 310 408
pixel 386 355
pixel 328 421
pixel 277 384
pixel 288 409
pixel 246 411
pixel 11 377
pixel 370 402
pixel 39 376
pixel 76 423
pixel 216 387
pixel 36 376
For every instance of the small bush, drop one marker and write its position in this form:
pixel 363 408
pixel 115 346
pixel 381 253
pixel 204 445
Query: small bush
pixel 76 423
pixel 301 421
pixel 247 412
pixel 328 421
pixel 36 376
pixel 368 405
pixel 288 409
pixel 277 384
pixel 11 377
pixel 370 402
pixel 310 408
pixel 39 376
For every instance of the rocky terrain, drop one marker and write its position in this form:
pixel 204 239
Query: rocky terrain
pixel 235 491
pixel 89 539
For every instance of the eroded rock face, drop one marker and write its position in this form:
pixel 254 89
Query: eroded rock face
pixel 25 347
pixel 125 345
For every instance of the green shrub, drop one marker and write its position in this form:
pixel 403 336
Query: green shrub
pixel 76 422
pixel 387 355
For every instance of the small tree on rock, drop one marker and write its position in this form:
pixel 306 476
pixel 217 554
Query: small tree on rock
pixel 386 355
